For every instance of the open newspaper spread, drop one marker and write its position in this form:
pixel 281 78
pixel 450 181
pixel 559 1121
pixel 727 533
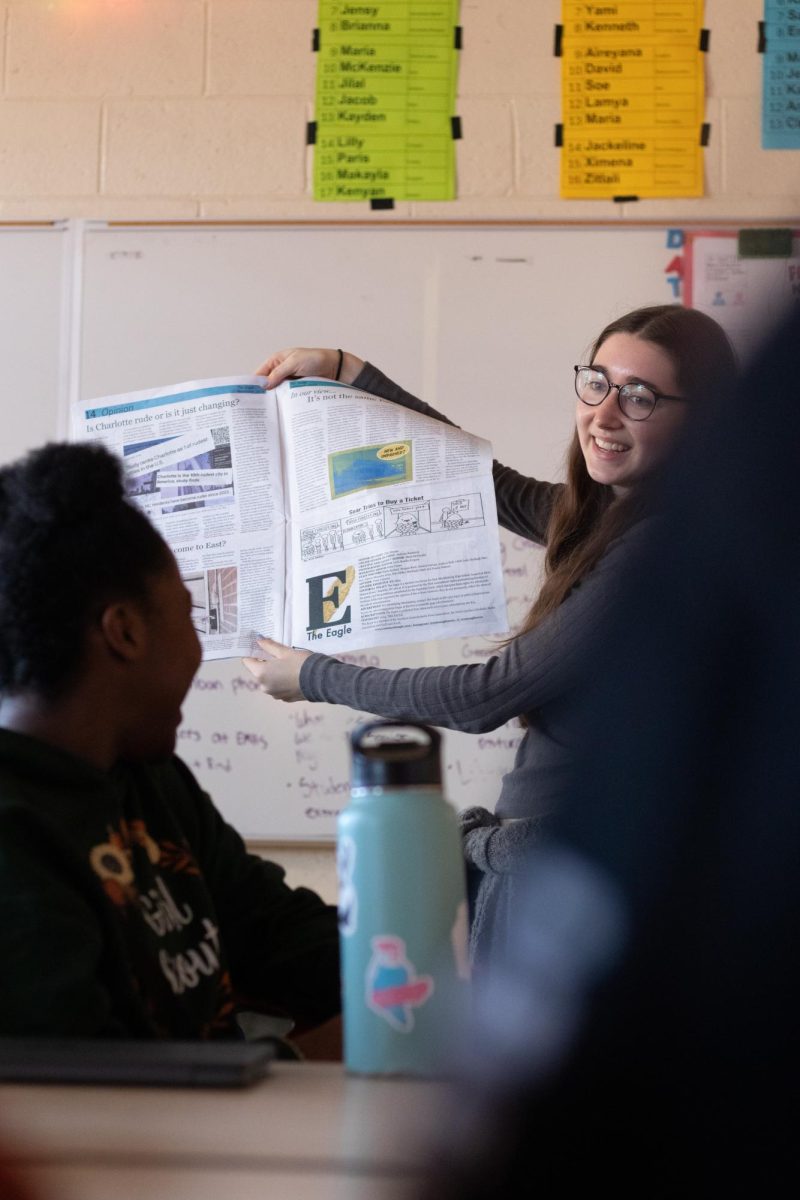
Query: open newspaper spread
pixel 316 514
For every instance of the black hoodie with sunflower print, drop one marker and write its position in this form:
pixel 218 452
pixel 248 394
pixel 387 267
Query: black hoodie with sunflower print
pixel 130 908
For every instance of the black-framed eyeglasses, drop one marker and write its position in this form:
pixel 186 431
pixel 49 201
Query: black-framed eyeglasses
pixel 636 400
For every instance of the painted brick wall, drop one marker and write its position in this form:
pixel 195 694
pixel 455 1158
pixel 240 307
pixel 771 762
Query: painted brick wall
pixel 147 109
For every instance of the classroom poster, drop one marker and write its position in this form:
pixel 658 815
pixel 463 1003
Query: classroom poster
pixel 386 90
pixel 632 99
pixel 747 296
pixel 780 117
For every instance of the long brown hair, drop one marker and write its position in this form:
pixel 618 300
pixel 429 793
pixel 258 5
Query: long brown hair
pixel 586 515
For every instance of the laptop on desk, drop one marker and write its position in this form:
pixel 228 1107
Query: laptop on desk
pixel 154 1064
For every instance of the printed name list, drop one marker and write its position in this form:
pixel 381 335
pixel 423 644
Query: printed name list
pixel 781 108
pixel 386 87
pixel 633 99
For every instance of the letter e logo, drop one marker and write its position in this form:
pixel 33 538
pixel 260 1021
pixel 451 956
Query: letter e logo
pixel 324 602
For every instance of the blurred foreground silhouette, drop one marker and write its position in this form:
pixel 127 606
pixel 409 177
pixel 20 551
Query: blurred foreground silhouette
pixel 643 1033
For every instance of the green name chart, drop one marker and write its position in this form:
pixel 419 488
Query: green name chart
pixel 386 88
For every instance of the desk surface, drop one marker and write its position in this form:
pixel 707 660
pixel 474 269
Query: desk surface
pixel 308 1130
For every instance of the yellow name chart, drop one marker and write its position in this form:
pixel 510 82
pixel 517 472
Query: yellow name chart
pixel 633 99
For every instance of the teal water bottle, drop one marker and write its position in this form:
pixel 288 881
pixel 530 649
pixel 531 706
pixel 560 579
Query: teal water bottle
pixel 402 905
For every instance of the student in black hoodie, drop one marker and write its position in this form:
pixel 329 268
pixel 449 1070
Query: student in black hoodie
pixel 129 907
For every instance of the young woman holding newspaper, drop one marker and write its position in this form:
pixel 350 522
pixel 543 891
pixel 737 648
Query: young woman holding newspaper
pixel 632 403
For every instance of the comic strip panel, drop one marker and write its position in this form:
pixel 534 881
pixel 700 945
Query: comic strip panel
pixel 458 512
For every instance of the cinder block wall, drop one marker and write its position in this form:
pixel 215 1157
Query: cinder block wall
pixel 181 109
pixel 191 109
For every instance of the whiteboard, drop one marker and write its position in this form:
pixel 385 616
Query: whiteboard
pixel 35 272
pixel 485 323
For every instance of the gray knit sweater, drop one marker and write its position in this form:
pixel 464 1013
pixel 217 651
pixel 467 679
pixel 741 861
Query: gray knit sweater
pixel 533 675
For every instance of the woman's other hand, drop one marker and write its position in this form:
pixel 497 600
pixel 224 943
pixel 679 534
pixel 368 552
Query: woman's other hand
pixel 279 673
pixel 299 362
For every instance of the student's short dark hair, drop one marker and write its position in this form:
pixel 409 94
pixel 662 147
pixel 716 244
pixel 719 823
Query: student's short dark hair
pixel 70 542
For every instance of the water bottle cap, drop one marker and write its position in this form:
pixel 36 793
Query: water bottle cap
pixel 395 754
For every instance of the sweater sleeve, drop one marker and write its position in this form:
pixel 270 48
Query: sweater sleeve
pixel 532 670
pixel 523 504
pixel 52 942
pixel 281 943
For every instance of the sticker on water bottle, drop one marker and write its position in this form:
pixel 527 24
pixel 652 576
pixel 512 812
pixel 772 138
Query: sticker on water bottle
pixel 348 897
pixel 394 989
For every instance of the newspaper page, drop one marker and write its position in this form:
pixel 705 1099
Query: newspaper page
pixel 392 532
pixel 203 460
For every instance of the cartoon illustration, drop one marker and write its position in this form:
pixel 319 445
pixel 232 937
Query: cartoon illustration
pixel 406 520
pixel 407 524
pixel 390 518
pixel 363 528
pixel 450 518
pixel 368 467
pixel 317 540
pixel 394 989
pixel 458 512
pixel 332 536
